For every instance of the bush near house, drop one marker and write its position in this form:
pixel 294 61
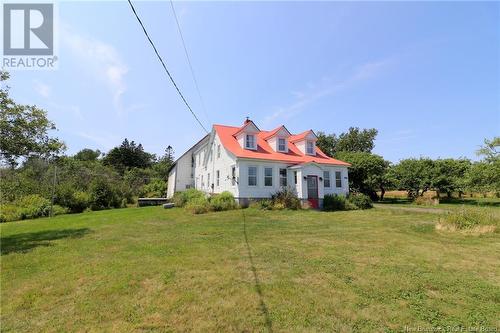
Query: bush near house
pixel 196 202
pixel 333 202
pixel 285 199
pixel 198 205
pixel 180 199
pixel 223 201
pixel 360 200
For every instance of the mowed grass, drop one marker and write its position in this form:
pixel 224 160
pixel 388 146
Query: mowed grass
pixel 150 269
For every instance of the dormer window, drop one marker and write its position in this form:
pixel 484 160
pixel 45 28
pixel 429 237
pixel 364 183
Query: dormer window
pixel 250 141
pixel 282 144
pixel 310 147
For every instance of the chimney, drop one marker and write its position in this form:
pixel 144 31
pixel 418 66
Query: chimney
pixel 247 120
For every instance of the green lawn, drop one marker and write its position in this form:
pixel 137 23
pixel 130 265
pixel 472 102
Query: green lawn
pixel 150 269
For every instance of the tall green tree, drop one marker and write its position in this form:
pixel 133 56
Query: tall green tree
pixel 490 150
pixel 128 155
pixel 415 176
pixel 367 173
pixel 24 130
pixel 162 166
pixel 354 140
pixel 88 155
pixel 448 175
pixel 484 177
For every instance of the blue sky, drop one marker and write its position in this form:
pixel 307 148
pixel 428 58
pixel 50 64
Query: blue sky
pixel 426 75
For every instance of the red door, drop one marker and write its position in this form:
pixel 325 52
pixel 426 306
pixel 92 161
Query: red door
pixel 312 191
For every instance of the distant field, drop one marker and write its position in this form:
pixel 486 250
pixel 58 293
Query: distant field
pixel 150 269
pixel 404 195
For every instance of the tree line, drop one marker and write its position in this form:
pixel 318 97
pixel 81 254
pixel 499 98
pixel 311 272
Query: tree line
pixel 371 174
pixel 35 173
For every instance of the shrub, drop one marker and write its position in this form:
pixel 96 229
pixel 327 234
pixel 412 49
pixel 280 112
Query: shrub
pixel 155 189
pixel 80 202
pixel 9 212
pixel 103 195
pixel 28 207
pixel 468 219
pixel 33 206
pixel 198 205
pixel 285 198
pixel 180 199
pixel 223 201
pixel 360 201
pixel 332 202
pixel 265 204
pixel 59 210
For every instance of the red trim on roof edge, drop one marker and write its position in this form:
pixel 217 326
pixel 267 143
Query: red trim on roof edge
pixel 265 152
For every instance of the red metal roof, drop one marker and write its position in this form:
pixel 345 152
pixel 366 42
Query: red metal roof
pixel 265 152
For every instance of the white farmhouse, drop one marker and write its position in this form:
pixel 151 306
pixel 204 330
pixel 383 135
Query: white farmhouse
pixel 254 164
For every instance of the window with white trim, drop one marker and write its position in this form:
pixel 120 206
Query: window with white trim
pixel 295 177
pixel 326 178
pixel 283 177
pixel 268 176
pixel 217 181
pixel 281 144
pixel 208 180
pixel 250 141
pixel 252 176
pixel 310 147
pixel 218 151
pixel 338 179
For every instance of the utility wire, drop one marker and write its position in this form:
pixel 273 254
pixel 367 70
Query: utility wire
pixel 165 67
pixel 189 62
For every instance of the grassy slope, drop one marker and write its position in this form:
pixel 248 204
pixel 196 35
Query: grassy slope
pixel 155 269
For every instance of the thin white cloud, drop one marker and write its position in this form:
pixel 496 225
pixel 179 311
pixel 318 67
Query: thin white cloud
pixel 105 142
pixel 101 59
pixel 74 110
pixel 312 94
pixel 42 89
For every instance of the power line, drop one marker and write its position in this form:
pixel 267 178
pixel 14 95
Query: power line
pixel 189 61
pixel 165 67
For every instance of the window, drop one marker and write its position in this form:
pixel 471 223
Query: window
pixel 233 175
pixel 326 178
pixel 338 179
pixel 282 177
pixel 268 176
pixel 218 151
pixel 252 176
pixel 295 177
pixel 202 183
pixel 218 177
pixel 250 141
pixel 310 147
pixel 281 144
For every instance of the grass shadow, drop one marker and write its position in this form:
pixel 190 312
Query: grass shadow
pixel 25 242
pixel 258 288
pixel 394 201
